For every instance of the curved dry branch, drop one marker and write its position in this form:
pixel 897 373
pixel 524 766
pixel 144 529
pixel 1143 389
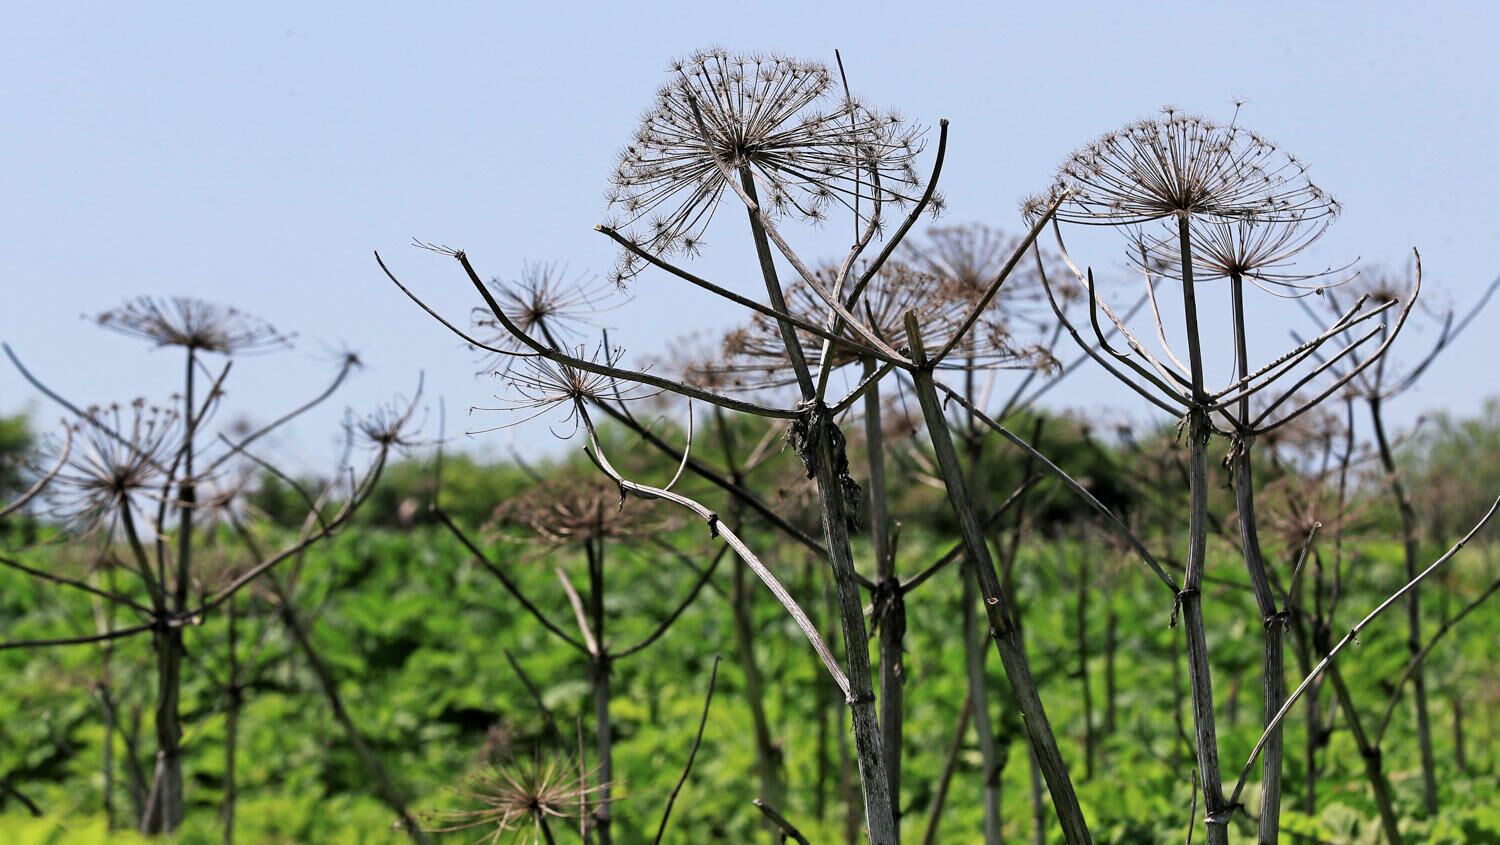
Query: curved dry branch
pixel 738 491
pixel 716 527
pixel 1351 636
pixel 1421 656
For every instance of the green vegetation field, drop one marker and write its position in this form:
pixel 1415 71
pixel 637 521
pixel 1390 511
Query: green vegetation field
pixel 416 634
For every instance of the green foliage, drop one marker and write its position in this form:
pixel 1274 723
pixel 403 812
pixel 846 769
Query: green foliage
pixel 1451 468
pixel 16 444
pixel 414 632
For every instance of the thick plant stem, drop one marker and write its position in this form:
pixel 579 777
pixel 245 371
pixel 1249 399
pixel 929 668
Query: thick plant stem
pixel 1413 608
pixel 984 730
pixel 232 710
pixel 892 612
pixel 164 811
pixel 824 455
pixel 1200 679
pixel 1002 629
pixel 1273 656
pixel 880 814
pixel 992 758
pixel 164 815
pixel 1081 626
pixel 1380 788
pixel 599 671
pixel 773 290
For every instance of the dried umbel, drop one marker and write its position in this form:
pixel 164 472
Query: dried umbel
pixel 572 510
pixel 778 124
pixel 118 463
pixel 388 426
pixel 546 304
pixel 193 324
pixel 1302 504
pixel 754 356
pixel 521 801
pixel 968 258
pixel 1183 165
pixel 1261 252
pixel 541 385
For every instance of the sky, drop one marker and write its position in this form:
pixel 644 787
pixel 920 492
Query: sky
pixel 258 155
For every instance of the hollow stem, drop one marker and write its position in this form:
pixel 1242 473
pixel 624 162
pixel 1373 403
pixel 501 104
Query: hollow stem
pixel 996 605
pixel 1200 679
pixel 1273 655
pixel 1413 607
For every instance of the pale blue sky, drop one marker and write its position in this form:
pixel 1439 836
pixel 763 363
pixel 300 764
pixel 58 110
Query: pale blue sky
pixel 257 155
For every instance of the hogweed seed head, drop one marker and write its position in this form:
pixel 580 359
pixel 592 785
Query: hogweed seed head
pixel 520 799
pixel 571 510
pixel 118 461
pixel 1261 252
pixel 193 324
pixel 545 304
pixel 540 384
pixel 1183 165
pixel 391 425
pixel 782 122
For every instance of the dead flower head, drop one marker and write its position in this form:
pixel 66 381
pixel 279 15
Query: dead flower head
pixel 193 324
pixel 521 801
pixel 779 124
pixel 1184 165
pixel 546 304
pixel 119 460
pixel 1260 252
pixel 574 510
pixel 540 384
pixel 391 425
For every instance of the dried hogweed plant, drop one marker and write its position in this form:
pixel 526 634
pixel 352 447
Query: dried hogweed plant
pixel 777 136
pixel 1228 201
pixel 1375 387
pixel 727 126
pixel 133 478
pixel 565 517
